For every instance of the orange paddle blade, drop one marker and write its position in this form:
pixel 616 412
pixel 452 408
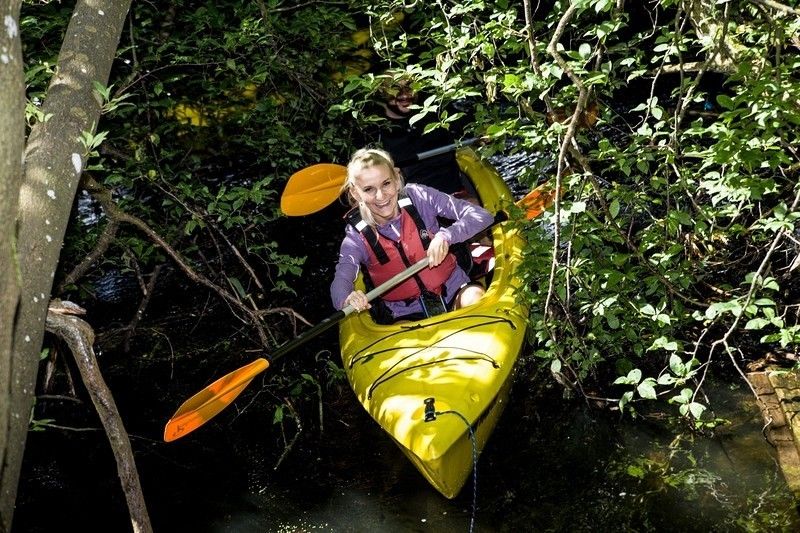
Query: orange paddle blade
pixel 535 202
pixel 312 189
pixel 204 405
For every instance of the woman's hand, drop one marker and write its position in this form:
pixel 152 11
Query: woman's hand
pixel 358 300
pixel 437 250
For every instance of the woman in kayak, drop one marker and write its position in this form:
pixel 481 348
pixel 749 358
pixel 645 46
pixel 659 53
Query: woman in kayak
pixel 391 227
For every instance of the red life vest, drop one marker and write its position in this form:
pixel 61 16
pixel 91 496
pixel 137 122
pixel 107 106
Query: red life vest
pixel 388 257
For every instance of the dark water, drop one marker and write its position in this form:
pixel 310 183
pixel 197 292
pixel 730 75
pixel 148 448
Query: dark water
pixel 553 464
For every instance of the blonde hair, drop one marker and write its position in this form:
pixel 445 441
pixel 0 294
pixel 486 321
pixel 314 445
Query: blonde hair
pixel 362 159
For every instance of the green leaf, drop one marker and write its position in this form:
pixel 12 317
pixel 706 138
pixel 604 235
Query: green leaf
pixel 681 398
pixel 663 343
pixel 666 379
pixel 578 207
pixel 677 366
pixel 613 209
pixel 756 323
pixel 626 398
pixel 697 409
pixel 635 471
pixel 646 389
pixel 237 285
pixel 725 101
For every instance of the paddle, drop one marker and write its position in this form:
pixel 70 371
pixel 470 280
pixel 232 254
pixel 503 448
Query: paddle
pixel 207 403
pixel 316 187
pixel 312 189
pixel 535 202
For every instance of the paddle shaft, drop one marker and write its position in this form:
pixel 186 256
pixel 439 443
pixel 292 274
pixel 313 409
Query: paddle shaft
pixel 347 310
pixel 436 151
pixel 371 295
pixel 338 316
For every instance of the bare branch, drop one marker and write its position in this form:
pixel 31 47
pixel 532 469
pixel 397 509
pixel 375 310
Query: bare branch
pixel 79 336
pixel 113 211
pixel 772 4
pixel 147 294
pixel 100 247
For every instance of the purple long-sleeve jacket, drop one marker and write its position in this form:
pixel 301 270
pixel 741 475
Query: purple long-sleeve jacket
pixel 469 218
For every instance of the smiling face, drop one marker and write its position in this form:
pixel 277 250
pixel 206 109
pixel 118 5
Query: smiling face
pixel 378 186
pixel 401 103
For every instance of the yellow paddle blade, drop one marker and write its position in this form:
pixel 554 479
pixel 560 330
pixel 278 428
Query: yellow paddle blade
pixel 204 405
pixel 312 189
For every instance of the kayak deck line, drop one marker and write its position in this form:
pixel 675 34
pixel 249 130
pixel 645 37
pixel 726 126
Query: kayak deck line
pixel 381 380
pixel 359 357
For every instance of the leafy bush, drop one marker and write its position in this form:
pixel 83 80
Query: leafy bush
pixel 674 242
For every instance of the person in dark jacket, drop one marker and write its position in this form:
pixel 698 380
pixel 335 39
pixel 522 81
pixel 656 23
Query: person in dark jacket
pixel 404 140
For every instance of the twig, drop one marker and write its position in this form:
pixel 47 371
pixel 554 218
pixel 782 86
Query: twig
pixel 57 397
pixel 286 310
pixel 147 295
pixel 67 428
pixel 288 447
pixel 103 242
pixel 777 6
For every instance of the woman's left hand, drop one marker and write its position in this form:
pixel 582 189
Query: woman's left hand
pixel 437 250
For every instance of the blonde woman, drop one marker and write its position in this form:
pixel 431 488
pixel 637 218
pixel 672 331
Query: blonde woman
pixel 391 227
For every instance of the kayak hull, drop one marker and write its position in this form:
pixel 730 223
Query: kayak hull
pixel 438 386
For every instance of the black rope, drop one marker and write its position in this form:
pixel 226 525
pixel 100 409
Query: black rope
pixel 384 378
pixel 492 320
pixel 474 442
pixel 405 329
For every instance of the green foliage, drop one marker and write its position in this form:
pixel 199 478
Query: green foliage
pixel 209 109
pixel 677 230
pixel 666 238
pixel 40 424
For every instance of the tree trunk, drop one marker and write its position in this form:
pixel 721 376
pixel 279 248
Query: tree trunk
pixel 54 159
pixel 12 141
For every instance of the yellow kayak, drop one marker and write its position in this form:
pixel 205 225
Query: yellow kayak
pixel 455 369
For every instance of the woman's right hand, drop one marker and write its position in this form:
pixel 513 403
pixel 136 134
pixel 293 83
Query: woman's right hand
pixel 358 300
pixel 437 250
